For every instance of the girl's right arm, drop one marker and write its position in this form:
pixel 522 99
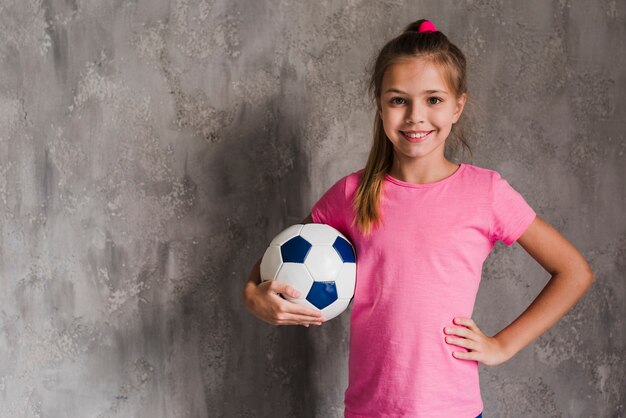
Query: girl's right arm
pixel 263 300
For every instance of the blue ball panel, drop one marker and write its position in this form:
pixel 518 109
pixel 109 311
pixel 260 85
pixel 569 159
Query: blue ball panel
pixel 345 250
pixel 295 250
pixel 322 294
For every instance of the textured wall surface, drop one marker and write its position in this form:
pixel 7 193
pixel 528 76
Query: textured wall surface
pixel 150 150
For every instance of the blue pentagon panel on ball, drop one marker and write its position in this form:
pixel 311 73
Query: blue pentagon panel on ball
pixel 345 250
pixel 295 250
pixel 322 294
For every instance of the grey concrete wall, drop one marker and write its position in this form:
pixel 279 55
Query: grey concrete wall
pixel 149 150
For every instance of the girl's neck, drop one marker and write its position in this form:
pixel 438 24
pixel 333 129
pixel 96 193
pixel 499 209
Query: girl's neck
pixel 423 172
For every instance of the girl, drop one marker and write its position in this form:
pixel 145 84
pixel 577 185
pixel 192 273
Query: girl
pixel 422 227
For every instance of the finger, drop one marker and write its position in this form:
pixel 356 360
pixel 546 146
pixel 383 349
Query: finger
pixel 462 331
pixel 290 318
pixel 283 288
pixel 309 313
pixel 466 333
pixel 294 322
pixel 463 355
pixel 296 308
pixel 468 322
pixel 461 342
pixel 301 319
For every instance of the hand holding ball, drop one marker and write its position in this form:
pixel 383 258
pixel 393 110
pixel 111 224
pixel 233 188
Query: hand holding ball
pixel 316 260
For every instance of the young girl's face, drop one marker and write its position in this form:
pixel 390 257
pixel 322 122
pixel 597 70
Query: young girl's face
pixel 418 108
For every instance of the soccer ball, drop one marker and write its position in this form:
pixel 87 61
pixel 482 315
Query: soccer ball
pixel 318 261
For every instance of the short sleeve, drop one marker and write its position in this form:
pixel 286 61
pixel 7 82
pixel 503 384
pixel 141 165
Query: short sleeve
pixel 331 208
pixel 511 215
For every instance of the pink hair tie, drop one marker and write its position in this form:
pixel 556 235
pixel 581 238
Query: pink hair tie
pixel 427 26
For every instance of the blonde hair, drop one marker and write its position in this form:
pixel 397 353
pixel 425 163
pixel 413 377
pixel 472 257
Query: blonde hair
pixel 435 47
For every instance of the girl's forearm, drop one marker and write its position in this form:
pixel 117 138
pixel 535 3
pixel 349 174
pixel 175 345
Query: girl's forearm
pixel 555 300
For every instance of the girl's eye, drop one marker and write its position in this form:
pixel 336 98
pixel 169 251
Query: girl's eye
pixel 397 100
pixel 434 100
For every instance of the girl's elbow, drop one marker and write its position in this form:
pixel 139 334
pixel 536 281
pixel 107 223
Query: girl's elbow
pixel 582 275
pixel 588 273
pixel 587 277
pixel 591 276
pixel 583 271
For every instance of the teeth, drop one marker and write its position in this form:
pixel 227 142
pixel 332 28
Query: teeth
pixel 416 136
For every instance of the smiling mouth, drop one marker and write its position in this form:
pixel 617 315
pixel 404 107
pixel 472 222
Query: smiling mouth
pixel 414 136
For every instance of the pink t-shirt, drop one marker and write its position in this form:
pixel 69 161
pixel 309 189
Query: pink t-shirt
pixel 415 274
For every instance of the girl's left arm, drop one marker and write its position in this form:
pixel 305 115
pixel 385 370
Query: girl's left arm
pixel 571 277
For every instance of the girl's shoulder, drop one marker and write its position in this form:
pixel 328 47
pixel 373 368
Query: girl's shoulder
pixel 344 187
pixel 479 173
pixel 351 181
pixel 498 188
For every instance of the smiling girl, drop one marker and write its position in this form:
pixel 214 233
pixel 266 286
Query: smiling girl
pixel 422 227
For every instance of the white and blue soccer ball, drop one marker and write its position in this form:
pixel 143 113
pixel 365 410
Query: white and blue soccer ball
pixel 318 261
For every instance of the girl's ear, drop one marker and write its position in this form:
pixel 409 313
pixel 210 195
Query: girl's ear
pixel 460 104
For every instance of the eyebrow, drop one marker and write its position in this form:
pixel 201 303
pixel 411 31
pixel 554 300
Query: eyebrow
pixel 394 90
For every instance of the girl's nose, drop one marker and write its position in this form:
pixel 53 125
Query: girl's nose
pixel 414 114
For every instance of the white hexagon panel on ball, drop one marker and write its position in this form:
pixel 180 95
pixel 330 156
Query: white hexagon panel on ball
pixel 323 262
pixel 297 276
